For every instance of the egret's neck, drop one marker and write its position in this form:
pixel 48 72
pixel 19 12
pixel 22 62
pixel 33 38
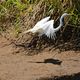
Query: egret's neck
pixel 61 21
pixel 60 25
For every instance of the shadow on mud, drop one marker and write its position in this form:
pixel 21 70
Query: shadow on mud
pixel 66 77
pixel 50 60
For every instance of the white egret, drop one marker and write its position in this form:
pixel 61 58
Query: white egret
pixel 47 27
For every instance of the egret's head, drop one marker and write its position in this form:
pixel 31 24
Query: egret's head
pixel 65 14
pixel 62 18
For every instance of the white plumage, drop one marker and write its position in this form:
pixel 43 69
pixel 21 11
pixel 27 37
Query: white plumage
pixel 48 29
pixel 46 26
pixel 39 26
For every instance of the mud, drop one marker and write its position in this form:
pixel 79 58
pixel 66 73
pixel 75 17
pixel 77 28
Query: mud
pixel 45 65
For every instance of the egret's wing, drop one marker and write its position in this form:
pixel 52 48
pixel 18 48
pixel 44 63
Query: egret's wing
pixel 49 30
pixel 41 22
pixel 45 28
pixel 52 31
pixel 38 26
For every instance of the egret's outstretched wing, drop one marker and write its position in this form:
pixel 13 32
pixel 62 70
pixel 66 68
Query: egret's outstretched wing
pixel 49 29
pixel 45 28
pixel 52 31
pixel 38 26
pixel 41 22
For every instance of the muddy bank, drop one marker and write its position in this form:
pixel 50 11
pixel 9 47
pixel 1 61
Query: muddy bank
pixel 44 65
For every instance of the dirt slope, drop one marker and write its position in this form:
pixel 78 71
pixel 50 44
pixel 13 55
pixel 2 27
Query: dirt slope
pixel 45 64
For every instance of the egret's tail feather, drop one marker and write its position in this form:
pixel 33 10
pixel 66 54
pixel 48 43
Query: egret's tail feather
pixel 26 31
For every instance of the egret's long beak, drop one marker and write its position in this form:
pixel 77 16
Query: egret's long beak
pixel 71 14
